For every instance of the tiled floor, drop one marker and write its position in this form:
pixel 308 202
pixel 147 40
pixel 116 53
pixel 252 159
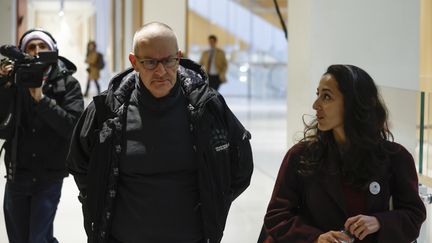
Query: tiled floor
pixel 266 120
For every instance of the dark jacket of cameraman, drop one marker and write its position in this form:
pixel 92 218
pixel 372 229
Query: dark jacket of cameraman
pixel 224 167
pixel 45 128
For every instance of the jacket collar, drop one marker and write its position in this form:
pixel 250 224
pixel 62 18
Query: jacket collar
pixel 63 68
pixel 119 88
pixel 192 78
pixel 194 82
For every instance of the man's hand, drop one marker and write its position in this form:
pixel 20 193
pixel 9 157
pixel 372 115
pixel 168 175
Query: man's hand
pixel 332 237
pixel 362 225
pixel 36 93
pixel 5 69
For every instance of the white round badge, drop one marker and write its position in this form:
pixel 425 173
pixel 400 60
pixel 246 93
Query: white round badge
pixel 374 187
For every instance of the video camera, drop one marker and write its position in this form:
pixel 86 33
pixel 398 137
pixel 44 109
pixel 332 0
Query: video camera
pixel 28 71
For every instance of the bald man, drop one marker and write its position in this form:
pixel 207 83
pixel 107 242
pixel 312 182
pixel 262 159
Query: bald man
pixel 159 156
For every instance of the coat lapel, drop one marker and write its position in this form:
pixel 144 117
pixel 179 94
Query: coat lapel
pixel 331 179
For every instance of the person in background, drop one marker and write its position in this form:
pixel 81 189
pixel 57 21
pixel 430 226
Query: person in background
pixel 37 148
pixel 159 157
pixel 335 185
pixel 215 63
pixel 94 60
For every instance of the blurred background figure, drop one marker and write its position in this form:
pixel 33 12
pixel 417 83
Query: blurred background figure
pixel 95 62
pixel 215 63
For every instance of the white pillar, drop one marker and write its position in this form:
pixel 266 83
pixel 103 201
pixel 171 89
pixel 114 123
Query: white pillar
pixel 170 12
pixel 370 34
pixel 299 66
pixel 8 22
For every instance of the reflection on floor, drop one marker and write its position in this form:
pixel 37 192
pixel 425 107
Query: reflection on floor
pixel 266 120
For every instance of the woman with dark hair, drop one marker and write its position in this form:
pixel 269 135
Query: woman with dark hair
pixel 345 181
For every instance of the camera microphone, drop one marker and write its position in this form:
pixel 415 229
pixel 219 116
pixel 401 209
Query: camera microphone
pixel 13 52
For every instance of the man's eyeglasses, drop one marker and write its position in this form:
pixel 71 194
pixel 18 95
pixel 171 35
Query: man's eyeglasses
pixel 151 64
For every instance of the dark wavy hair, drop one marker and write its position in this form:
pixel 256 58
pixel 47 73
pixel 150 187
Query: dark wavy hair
pixel 365 125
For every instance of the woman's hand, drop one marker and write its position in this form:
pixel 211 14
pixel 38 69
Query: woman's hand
pixel 362 225
pixel 332 237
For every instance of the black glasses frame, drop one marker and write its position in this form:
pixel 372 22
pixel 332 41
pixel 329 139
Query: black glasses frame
pixel 150 64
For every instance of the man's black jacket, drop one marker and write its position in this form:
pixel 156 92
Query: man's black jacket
pixel 221 143
pixel 44 129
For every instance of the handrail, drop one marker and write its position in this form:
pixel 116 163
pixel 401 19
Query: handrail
pixel 421 137
pixel 425 180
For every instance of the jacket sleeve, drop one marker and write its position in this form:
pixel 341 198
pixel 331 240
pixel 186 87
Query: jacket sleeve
pixel 63 118
pixel 402 224
pixel 283 221
pixel 82 142
pixel 7 96
pixel 224 65
pixel 241 153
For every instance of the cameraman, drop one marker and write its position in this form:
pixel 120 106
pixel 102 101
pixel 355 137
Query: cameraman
pixel 36 151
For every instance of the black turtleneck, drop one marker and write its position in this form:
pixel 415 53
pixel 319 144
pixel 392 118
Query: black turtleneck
pixel 158 186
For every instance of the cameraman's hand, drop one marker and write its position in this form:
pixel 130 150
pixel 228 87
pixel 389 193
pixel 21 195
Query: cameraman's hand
pixel 5 69
pixel 36 93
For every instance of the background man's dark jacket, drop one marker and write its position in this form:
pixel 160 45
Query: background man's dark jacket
pixel 221 143
pixel 45 128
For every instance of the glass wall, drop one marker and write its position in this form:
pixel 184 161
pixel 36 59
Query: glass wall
pixel 255 45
